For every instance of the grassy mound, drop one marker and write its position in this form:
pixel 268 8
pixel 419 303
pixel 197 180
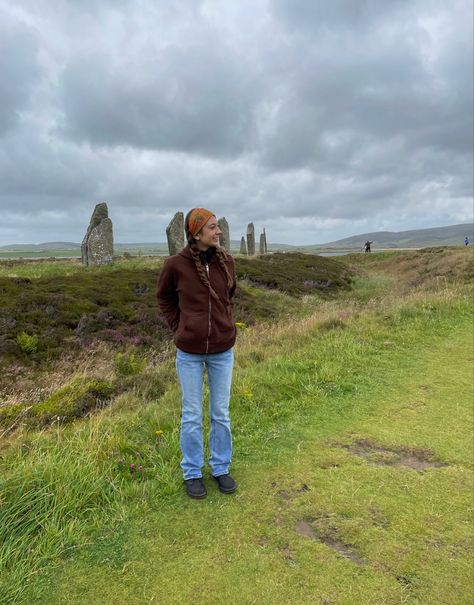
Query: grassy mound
pixel 414 268
pixel 295 273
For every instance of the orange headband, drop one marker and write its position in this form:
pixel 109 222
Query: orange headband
pixel 197 219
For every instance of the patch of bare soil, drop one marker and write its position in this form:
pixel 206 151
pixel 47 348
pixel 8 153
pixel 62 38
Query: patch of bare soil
pixel 329 537
pixel 289 494
pixel 288 555
pixel 415 458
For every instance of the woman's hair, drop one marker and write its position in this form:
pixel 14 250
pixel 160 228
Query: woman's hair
pixel 195 252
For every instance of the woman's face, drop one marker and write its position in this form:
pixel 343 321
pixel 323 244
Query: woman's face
pixel 209 234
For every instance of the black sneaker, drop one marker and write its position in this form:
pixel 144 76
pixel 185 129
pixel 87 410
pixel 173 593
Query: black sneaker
pixel 195 488
pixel 226 484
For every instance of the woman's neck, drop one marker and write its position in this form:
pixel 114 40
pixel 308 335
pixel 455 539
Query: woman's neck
pixel 207 255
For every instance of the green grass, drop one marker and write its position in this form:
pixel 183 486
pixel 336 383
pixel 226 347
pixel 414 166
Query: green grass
pixel 388 370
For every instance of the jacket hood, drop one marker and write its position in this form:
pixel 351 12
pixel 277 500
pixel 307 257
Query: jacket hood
pixel 186 252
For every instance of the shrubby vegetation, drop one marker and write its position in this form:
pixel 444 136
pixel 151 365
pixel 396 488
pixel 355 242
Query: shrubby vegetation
pixel 43 317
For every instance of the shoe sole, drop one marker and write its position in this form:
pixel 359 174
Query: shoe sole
pixel 197 497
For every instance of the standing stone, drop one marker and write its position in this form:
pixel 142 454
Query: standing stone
pixel 250 239
pixel 243 246
pixel 265 241
pixel 224 238
pixel 175 234
pixel 97 247
pixel 262 243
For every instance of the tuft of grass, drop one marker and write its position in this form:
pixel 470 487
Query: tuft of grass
pixel 79 397
pixel 129 364
pixel 28 343
pixel 52 490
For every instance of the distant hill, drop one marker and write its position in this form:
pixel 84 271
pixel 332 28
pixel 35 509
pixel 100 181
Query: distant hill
pixel 452 235
pixel 39 247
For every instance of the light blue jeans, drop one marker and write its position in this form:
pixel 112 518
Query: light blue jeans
pixel 190 368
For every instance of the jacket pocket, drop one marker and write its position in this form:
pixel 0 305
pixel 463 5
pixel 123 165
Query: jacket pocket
pixel 193 327
pixel 223 327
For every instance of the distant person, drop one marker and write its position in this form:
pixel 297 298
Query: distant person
pixel 367 246
pixel 194 293
pixel 466 241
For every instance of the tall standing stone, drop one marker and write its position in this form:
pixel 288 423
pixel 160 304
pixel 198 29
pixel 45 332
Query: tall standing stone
pixel 250 239
pixel 243 246
pixel 175 234
pixel 224 238
pixel 265 240
pixel 97 247
pixel 262 243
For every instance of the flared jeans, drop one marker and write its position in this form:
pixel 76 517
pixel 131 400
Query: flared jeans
pixel 190 368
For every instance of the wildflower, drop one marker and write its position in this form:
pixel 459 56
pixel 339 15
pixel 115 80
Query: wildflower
pixel 132 468
pixel 120 461
pixel 159 433
pixel 140 468
pixel 241 326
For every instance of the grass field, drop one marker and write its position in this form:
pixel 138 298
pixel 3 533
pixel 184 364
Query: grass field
pixel 353 452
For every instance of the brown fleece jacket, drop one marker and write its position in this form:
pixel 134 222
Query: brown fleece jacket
pixel 200 323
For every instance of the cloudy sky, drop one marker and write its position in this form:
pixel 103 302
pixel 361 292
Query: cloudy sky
pixel 314 119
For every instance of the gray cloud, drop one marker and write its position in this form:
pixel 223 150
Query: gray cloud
pixel 196 99
pixel 19 70
pixel 307 17
pixel 316 120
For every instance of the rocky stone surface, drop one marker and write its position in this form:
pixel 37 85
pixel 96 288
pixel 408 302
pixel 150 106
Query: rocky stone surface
pixel 97 247
pixel 243 246
pixel 224 238
pixel 175 234
pixel 250 239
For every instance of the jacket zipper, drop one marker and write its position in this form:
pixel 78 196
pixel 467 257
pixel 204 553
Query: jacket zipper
pixel 209 318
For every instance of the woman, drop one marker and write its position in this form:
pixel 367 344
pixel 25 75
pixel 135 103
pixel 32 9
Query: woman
pixel 195 291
